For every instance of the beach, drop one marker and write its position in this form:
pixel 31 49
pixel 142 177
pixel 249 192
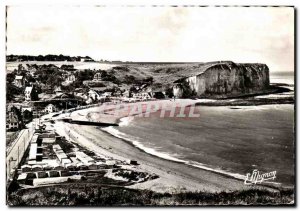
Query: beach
pixel 174 176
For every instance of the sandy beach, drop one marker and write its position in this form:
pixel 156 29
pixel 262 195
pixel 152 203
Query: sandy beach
pixel 173 176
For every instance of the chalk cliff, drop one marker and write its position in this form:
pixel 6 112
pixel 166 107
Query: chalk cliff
pixel 224 79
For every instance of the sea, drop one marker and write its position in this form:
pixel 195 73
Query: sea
pixel 229 140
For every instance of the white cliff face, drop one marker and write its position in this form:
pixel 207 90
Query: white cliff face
pixel 223 80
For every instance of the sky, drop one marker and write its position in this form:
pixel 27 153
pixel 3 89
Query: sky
pixel 155 34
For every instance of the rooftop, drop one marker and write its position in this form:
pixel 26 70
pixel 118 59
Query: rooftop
pixel 19 77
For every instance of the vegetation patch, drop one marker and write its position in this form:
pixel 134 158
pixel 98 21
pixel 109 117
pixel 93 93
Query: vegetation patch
pixel 95 195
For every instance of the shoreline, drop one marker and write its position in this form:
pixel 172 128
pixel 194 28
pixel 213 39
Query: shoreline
pixel 193 164
pixel 183 176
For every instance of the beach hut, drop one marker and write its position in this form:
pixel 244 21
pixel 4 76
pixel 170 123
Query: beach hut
pixel 58 150
pixel 22 177
pixel 33 151
pixel 61 156
pixel 56 147
pixel 92 166
pixel 31 175
pixel 26 168
pixel 37 168
pixel 101 165
pixel 82 166
pixel 65 161
pixel 74 159
pixel 70 167
pixel 64 173
pixel 47 167
pixel 58 167
pixel 84 158
pixel 42 174
pixel 53 173
pixel 48 140
pixel 110 163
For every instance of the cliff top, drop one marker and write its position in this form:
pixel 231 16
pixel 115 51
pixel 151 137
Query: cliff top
pixel 170 73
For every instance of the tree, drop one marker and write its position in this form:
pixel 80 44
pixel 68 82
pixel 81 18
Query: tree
pixel 27 116
pixel 54 80
pixel 186 89
pixel 169 91
pixel 149 80
pixel 10 77
pixel 84 75
pixel 129 79
pixel 12 91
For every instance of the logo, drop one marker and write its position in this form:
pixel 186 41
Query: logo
pixel 152 109
pixel 256 177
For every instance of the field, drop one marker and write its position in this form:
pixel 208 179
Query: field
pixel 10 66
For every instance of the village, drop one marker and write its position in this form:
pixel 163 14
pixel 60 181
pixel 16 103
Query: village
pixel 34 90
pixel 36 154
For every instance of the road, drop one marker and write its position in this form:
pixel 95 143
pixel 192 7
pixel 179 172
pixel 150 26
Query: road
pixel 17 150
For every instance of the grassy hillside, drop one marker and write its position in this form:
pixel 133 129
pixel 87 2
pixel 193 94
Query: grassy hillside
pixel 159 76
pixel 87 195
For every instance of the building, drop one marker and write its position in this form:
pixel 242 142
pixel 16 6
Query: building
pixel 106 94
pixel 86 59
pixel 50 108
pixel 28 93
pixel 117 93
pixel 158 94
pixel 69 78
pixel 58 90
pixel 142 96
pixel 46 89
pixel 84 158
pixel 126 93
pixel 28 108
pixel 93 95
pixel 12 121
pixel 19 81
pixel 97 77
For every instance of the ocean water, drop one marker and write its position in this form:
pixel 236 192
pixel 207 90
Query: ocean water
pixel 286 77
pixel 228 140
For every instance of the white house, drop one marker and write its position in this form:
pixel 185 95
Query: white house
pixel 126 93
pixel 86 59
pixel 19 81
pixel 97 77
pixel 12 121
pixel 107 94
pixel 28 93
pixel 28 108
pixel 50 108
pixel 58 90
pixel 142 96
pixel 70 78
pixel 93 95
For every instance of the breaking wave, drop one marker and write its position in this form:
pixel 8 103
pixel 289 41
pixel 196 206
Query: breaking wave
pixel 164 155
